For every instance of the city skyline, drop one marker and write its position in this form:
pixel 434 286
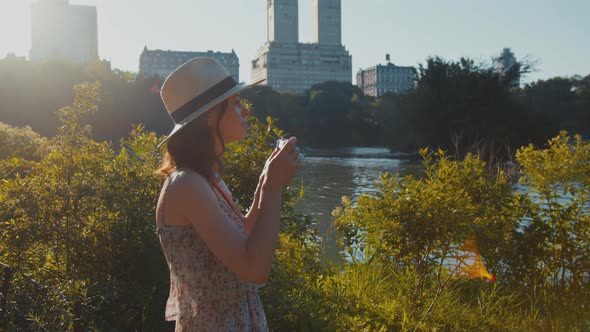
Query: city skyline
pixel 549 32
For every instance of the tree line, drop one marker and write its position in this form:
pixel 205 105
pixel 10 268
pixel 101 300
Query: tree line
pixel 456 105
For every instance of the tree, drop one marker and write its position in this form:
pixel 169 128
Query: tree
pixel 462 105
pixel 81 222
pixel 555 98
pixel 32 91
pixel 336 116
pixel 286 109
pixel 20 142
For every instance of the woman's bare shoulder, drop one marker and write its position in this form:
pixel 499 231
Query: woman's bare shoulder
pixel 187 186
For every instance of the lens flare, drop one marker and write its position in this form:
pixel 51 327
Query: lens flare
pixel 469 263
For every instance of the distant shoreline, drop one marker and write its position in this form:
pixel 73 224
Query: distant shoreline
pixel 359 152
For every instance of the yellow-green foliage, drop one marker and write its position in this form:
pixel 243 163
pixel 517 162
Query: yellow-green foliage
pixel 557 230
pixel 77 225
pixel 372 297
pixel 417 222
pixel 80 223
pixel 535 239
pixel 18 148
pixel 20 142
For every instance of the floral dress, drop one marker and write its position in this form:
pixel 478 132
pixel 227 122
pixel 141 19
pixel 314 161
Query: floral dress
pixel 204 294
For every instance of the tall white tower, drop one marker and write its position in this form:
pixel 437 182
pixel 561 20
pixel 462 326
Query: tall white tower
pixel 504 64
pixel 327 22
pixel 59 29
pixel 282 20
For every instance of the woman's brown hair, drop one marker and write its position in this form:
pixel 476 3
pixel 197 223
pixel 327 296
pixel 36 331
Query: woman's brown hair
pixel 193 147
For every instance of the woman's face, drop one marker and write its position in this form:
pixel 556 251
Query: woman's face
pixel 233 125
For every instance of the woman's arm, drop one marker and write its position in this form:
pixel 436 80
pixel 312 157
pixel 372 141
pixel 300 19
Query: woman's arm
pixel 252 213
pixel 249 257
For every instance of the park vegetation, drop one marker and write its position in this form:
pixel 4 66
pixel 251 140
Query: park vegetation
pixel 78 246
pixel 459 106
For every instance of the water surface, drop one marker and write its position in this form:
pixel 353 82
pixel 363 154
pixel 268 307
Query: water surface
pixel 329 174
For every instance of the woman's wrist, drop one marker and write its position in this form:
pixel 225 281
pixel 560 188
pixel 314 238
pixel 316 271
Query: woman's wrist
pixel 270 188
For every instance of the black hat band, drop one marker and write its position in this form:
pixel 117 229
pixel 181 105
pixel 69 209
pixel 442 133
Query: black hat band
pixel 203 99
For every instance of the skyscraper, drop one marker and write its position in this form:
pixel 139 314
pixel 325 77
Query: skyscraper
pixel 59 29
pixel 327 22
pixel 283 21
pixel 290 66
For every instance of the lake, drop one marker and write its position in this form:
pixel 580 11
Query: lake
pixel 329 174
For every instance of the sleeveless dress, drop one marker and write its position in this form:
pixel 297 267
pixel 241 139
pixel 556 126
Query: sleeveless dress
pixel 204 294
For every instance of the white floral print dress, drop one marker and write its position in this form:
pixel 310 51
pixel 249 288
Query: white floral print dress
pixel 204 294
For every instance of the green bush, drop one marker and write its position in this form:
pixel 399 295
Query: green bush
pixel 401 244
pixel 77 226
pixel 556 232
pixel 20 142
pixel 80 222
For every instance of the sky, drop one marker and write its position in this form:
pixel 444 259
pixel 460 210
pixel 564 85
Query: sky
pixel 552 32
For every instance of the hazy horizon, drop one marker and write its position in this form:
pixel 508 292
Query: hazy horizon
pixel 552 33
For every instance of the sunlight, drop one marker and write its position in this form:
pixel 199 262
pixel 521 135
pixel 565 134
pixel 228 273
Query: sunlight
pixel 14 27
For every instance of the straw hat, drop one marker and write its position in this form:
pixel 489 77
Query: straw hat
pixel 194 88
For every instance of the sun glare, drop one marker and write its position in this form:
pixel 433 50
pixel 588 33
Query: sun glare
pixel 14 26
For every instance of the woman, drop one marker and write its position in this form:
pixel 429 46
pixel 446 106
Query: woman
pixel 216 256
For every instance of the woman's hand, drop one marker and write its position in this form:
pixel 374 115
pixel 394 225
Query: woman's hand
pixel 282 165
pixel 252 213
